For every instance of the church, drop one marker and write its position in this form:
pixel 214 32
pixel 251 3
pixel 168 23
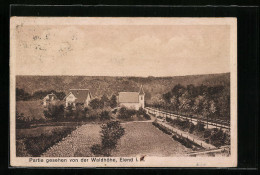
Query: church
pixel 131 100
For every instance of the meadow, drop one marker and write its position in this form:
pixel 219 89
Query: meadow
pixel 141 138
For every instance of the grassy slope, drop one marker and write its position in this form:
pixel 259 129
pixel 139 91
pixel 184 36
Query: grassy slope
pixel 30 109
pixel 110 85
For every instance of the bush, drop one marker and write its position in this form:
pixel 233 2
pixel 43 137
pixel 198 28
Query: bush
pixel 104 115
pixel 96 149
pixel 184 124
pixel 163 128
pixel 207 133
pixel 200 126
pixel 184 141
pixel 218 138
pixel 192 127
pixel 54 112
pixel 126 113
pixel 142 112
pixel 110 134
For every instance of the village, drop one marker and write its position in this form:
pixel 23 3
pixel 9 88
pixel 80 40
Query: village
pixel 79 116
pixel 131 100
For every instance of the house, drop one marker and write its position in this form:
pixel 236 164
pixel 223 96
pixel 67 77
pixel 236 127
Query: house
pixel 50 98
pixel 78 96
pixel 132 100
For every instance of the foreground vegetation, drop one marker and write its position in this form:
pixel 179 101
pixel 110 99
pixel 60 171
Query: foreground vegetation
pixel 110 134
pixel 35 143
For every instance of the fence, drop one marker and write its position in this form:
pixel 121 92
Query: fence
pixel 225 125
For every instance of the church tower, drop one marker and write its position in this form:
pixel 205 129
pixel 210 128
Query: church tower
pixel 141 97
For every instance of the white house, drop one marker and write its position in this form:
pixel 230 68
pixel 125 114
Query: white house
pixel 132 100
pixel 78 96
pixel 50 98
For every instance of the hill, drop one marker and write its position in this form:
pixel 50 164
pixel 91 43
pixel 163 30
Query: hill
pixel 99 85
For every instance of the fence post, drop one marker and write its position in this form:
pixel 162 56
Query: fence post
pixel 207 122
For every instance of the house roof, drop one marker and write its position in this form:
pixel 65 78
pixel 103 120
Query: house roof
pixel 47 97
pixel 128 97
pixel 80 94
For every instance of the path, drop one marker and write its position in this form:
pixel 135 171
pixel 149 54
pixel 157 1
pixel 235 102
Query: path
pixel 187 135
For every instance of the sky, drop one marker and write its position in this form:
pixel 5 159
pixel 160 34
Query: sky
pixel 122 50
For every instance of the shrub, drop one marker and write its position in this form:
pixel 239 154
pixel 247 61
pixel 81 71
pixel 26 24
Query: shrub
pixel 184 124
pixel 162 128
pixel 96 149
pixel 110 134
pixel 54 112
pixel 104 115
pixel 184 141
pixel 200 126
pixel 142 112
pixel 80 112
pixel 69 112
pixel 218 138
pixel 126 113
pixel 192 127
pixel 207 133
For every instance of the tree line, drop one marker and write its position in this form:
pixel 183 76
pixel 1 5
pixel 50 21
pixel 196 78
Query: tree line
pixel 21 94
pixel 201 101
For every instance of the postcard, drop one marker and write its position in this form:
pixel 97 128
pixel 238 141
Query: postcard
pixel 123 92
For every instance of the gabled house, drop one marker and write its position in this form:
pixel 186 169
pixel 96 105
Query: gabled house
pixel 50 98
pixel 131 100
pixel 78 96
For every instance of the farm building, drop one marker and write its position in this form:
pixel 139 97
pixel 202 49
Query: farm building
pixel 132 100
pixel 50 98
pixel 77 96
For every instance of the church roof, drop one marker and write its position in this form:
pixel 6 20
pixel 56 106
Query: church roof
pixel 128 97
pixel 141 92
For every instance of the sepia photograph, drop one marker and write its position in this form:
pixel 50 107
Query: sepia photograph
pixel 123 92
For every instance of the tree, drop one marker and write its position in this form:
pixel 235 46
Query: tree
pixel 167 97
pixel 96 103
pixel 104 115
pixel 54 112
pixel 113 101
pixel 185 103
pixel 110 134
pixel 198 105
pixel 69 111
pixel 80 112
pixel 22 95
pixel 104 100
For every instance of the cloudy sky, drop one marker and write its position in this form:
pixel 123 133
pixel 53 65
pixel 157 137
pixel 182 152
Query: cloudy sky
pixel 122 50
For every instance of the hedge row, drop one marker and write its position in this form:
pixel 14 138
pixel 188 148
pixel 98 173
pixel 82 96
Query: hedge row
pixel 216 137
pixel 35 146
pixel 162 128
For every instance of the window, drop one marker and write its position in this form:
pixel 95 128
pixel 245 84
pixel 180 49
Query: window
pixel 141 98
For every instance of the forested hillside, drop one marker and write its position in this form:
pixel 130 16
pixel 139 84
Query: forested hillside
pixel 154 87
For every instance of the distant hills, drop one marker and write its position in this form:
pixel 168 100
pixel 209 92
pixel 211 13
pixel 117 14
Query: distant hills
pixel 99 85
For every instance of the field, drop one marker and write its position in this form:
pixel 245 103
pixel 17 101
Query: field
pixel 141 138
